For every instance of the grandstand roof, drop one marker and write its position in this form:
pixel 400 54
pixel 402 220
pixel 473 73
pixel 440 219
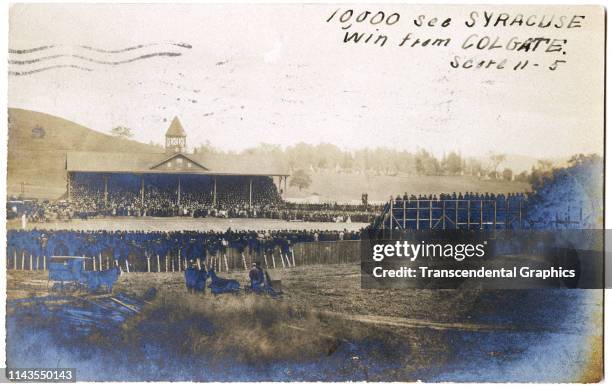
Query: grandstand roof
pixel 180 163
pixel 176 129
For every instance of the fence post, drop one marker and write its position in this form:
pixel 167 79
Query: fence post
pixel 280 253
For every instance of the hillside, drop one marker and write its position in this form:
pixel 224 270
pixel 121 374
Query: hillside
pixel 38 157
pixel 37 146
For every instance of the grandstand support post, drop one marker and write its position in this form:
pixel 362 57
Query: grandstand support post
pixel 404 216
pixel 68 185
pixel 292 256
pixel 469 215
pixel 430 214
pixel 127 265
pixel 507 221
pixel 288 261
pixel 481 204
pixel 391 218
pixel 117 263
pixel 172 265
pixel 418 214
pixel 226 264
pixel 495 215
pixel 142 190
pixel 22 260
pixel 105 190
pixel 107 263
pixel 456 213
pixel 273 261
pixel 100 261
pixel 15 260
pixel 158 267
pixel 178 201
pixel 30 263
pixel 444 214
pixel 197 261
pixel 148 265
pixel 166 260
pixel 250 192
pixel 37 263
pixel 266 261
pixel 215 192
pixel 44 262
pixel 93 262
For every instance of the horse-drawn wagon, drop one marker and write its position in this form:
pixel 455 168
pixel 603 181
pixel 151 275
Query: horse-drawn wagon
pixel 68 274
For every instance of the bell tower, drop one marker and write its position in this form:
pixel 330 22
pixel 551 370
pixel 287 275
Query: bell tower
pixel 176 137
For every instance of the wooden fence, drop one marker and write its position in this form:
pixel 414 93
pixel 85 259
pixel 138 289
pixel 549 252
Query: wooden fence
pixel 301 254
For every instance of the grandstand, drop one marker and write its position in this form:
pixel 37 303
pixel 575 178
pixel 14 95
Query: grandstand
pixel 469 211
pixel 173 183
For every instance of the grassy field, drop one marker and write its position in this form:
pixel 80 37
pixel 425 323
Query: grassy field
pixel 40 161
pixel 331 186
pixel 324 328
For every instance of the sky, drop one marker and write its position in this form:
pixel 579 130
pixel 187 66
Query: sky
pixel 240 75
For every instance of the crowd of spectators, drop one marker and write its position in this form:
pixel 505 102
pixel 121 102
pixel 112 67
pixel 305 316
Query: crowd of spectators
pixel 469 210
pixel 460 196
pixel 228 197
pixel 188 245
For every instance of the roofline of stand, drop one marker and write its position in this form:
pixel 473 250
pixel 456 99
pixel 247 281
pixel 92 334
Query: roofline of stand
pixel 204 173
